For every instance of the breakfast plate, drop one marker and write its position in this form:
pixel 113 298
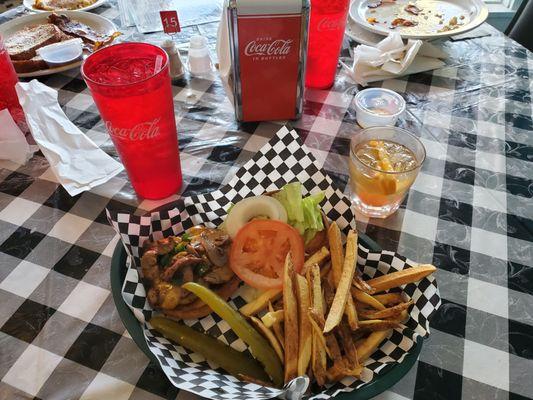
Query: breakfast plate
pixel 419 19
pixel 29 4
pixel 96 22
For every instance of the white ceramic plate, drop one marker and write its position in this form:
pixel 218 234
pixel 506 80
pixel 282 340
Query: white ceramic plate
pixel 29 5
pixel 361 35
pixel 94 21
pixel 435 15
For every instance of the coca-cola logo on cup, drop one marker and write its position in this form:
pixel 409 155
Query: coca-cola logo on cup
pixel 268 48
pixel 142 131
pixel 330 24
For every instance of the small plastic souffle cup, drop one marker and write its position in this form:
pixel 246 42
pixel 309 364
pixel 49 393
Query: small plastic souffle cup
pixel 378 107
pixel 62 53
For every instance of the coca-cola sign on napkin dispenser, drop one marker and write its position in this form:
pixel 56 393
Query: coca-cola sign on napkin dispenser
pixel 262 48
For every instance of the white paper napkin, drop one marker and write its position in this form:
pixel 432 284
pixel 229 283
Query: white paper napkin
pixel 77 162
pixel 391 58
pixel 13 144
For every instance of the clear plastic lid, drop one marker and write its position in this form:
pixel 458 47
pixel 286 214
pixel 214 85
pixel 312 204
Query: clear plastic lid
pixel 380 101
pixel 62 52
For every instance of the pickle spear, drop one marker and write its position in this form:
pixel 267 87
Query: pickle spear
pixel 229 359
pixel 259 346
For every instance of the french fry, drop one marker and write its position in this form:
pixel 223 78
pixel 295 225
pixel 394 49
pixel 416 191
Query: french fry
pixel 305 340
pixel 316 329
pixel 348 345
pixel 356 372
pixel 336 372
pixel 340 370
pixel 329 294
pixel 290 309
pixel 277 328
pixel 401 318
pixel 358 334
pixel 317 323
pixel 370 344
pixel 377 324
pixel 337 265
pixel 270 337
pixel 325 269
pixel 402 277
pixel 388 298
pixel 334 353
pixel 360 284
pixel 316 290
pixel 367 299
pixel 320 349
pixel 316 258
pixel 261 302
pixel 271 317
pixel 387 312
pixel 317 366
pixel 333 346
pixel 343 288
pixel 335 249
pixel 319 352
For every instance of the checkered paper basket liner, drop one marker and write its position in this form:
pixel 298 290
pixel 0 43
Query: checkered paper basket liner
pixel 284 159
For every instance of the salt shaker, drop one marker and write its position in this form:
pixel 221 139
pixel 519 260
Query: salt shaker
pixel 174 60
pixel 199 58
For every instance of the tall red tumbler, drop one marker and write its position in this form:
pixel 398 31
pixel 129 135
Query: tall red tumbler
pixel 130 84
pixel 8 94
pixel 326 30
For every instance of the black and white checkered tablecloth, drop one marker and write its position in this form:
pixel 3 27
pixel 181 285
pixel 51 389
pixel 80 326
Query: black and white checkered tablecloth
pixel 470 213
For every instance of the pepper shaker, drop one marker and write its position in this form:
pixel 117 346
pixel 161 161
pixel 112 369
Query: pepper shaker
pixel 176 68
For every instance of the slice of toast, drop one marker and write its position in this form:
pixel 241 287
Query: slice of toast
pixel 33 64
pixel 24 43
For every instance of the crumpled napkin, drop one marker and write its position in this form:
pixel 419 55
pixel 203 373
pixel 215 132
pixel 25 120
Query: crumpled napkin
pixel 13 144
pixel 77 162
pixel 392 58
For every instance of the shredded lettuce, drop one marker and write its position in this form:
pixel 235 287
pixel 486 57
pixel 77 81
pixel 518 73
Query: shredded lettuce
pixel 290 196
pixel 303 213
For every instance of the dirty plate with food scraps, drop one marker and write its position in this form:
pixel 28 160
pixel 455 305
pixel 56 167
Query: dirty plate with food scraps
pixel 419 19
pixel 30 5
pixel 284 159
pixel 361 35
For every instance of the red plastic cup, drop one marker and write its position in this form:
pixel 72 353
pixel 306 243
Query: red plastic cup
pixel 8 94
pixel 326 31
pixel 130 84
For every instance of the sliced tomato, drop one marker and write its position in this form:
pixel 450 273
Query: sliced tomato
pixel 259 249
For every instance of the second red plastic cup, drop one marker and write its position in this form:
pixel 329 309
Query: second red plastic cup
pixel 130 84
pixel 326 31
